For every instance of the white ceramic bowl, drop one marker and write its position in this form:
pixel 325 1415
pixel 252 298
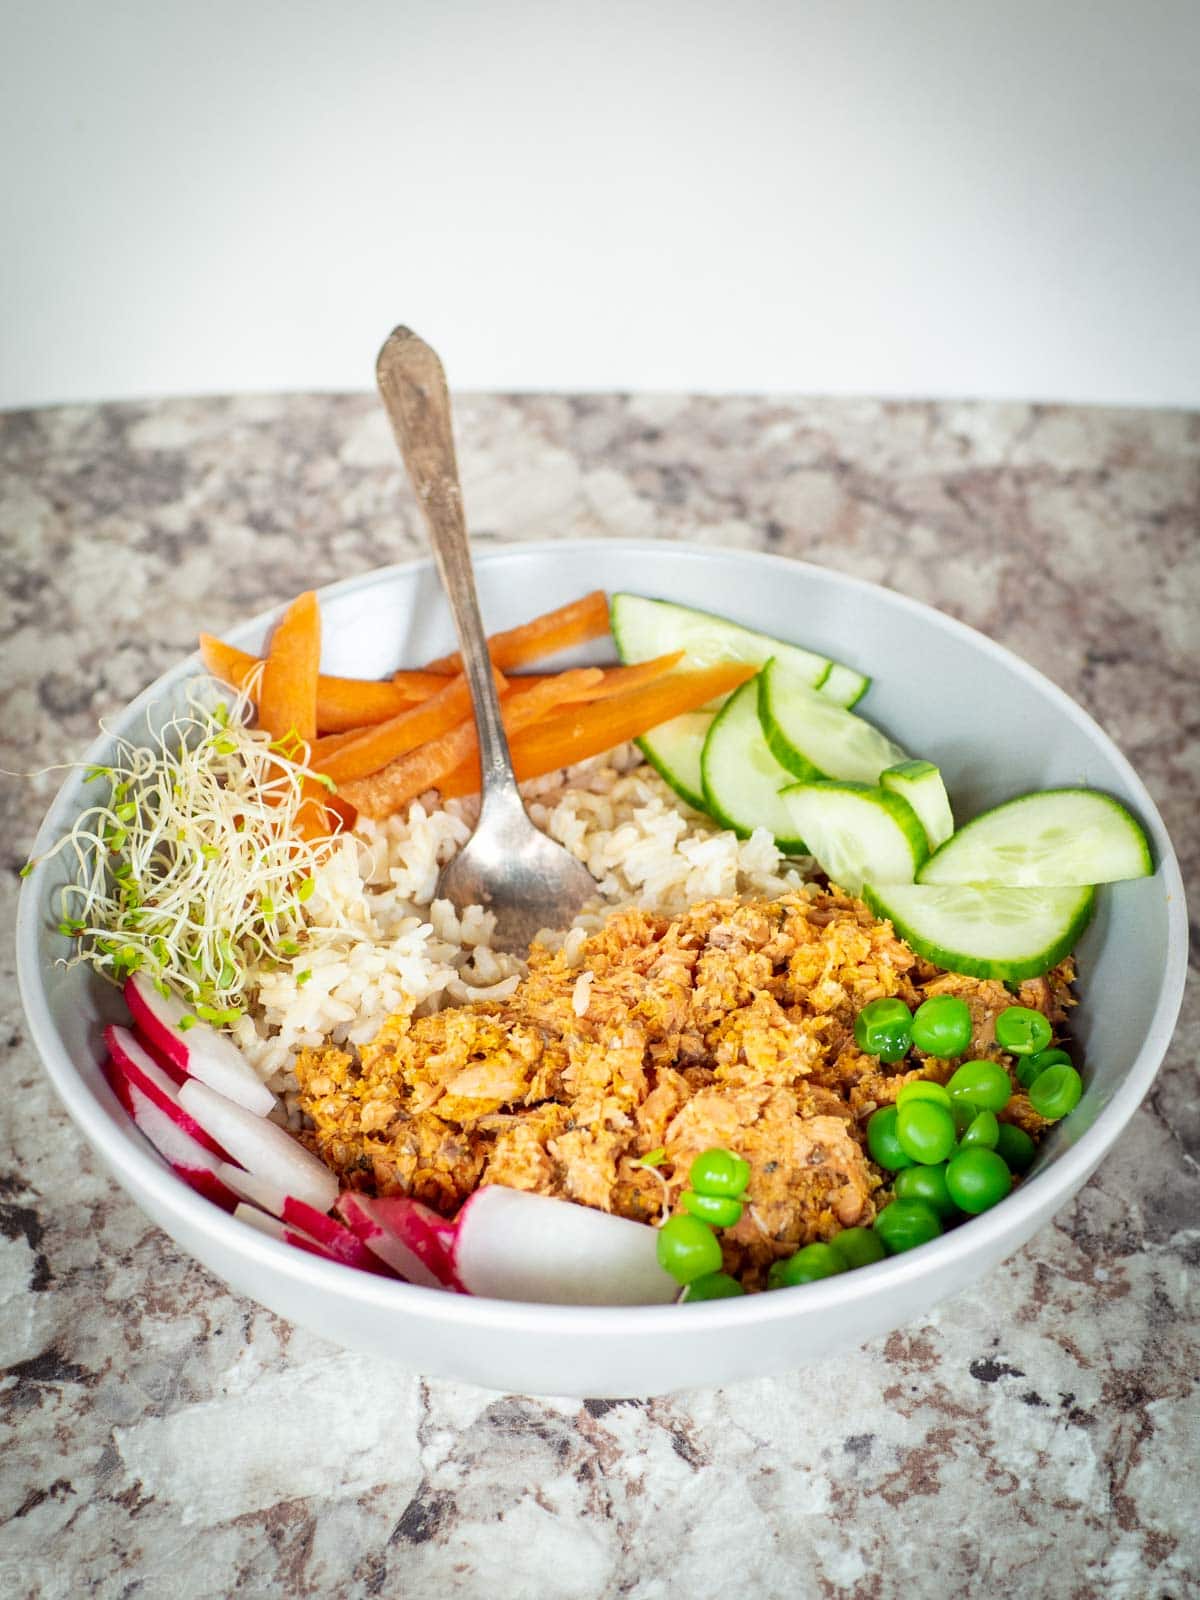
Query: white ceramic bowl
pixel 994 726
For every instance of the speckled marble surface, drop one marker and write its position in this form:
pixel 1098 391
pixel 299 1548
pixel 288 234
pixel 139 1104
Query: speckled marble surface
pixel 1037 1436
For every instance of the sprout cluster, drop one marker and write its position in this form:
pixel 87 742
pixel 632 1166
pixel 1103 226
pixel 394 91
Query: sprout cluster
pixel 189 867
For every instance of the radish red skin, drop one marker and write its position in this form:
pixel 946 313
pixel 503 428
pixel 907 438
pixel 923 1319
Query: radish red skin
pixel 333 1235
pixel 303 1242
pixel 264 1222
pixel 209 1185
pixel 154 1084
pixel 197 1171
pixel 173 1071
pixel 398 1228
pixel 118 1083
pixel 156 1034
pixel 201 1053
pixel 259 1146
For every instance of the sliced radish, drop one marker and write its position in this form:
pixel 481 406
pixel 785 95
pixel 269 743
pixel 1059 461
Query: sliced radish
pixel 512 1245
pixel 132 1062
pixel 262 1147
pixel 274 1229
pixel 413 1240
pixel 118 1083
pixel 176 1074
pixel 199 1051
pixel 334 1235
pixel 190 1160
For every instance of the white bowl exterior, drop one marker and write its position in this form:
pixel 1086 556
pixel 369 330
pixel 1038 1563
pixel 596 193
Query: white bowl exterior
pixel 994 726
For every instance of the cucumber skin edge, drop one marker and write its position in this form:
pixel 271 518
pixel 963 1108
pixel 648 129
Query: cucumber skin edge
pixel 896 806
pixel 911 769
pixel 788 757
pixel 849 705
pixel 786 847
pixel 697 802
pixel 789 847
pixel 977 967
pixel 830 661
pixel 1036 794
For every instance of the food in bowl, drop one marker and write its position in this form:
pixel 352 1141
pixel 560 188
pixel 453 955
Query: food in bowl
pixel 270 887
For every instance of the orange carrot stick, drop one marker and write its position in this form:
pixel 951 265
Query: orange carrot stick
pixel 556 630
pixel 329 742
pixel 341 816
pixel 410 775
pixel 341 702
pixel 287 704
pixel 358 755
pixel 287 700
pixel 589 730
pixel 614 680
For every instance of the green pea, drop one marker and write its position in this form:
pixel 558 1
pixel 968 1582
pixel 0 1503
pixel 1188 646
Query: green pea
pixel 716 1209
pixel 928 1185
pixel 977 1180
pixel 925 1131
pixel 1015 1147
pixel 982 1084
pixel 883 1141
pixel 981 1132
pixel 1055 1091
pixel 859 1247
pixel 811 1262
pixel 905 1224
pixel 941 1026
pixel 1031 1067
pixel 883 1028
pixel 687 1248
pixel 1022 1031
pixel 713 1286
pixel 922 1089
pixel 719 1172
pixel 964 1114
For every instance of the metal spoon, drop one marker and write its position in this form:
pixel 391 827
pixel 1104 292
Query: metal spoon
pixel 507 864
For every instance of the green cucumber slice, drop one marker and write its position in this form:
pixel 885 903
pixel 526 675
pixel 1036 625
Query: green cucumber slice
pixel 674 750
pixel 920 783
pixel 1054 838
pixel 643 628
pixel 858 833
pixel 844 686
pixel 985 930
pixel 813 737
pixel 741 778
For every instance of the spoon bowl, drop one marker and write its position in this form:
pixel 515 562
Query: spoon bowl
pixel 526 880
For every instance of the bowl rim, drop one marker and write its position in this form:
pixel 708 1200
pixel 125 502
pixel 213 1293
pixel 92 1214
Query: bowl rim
pixel 185 1208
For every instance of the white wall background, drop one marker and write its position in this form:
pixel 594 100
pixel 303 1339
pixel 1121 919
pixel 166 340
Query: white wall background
pixel 994 197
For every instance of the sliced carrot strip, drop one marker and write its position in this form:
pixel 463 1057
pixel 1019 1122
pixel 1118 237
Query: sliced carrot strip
pixel 589 730
pixel 358 755
pixel 329 742
pixel 410 775
pixel 416 682
pixel 340 815
pixel 556 630
pixel 614 680
pixel 287 702
pixel 225 661
pixel 342 703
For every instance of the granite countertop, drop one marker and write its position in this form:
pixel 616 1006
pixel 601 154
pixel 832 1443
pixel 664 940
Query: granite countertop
pixel 1036 1435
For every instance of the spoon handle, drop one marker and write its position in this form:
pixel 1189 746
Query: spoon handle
pixel 413 386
